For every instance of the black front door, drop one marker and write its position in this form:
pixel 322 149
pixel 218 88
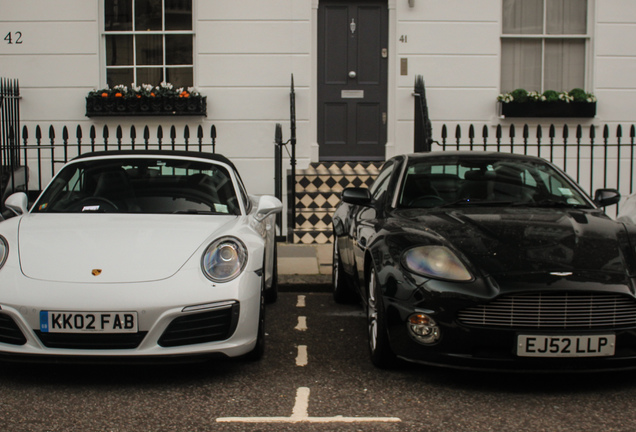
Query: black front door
pixel 352 79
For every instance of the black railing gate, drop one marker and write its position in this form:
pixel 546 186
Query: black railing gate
pixel 12 175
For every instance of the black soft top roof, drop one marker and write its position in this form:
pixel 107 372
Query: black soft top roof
pixel 161 153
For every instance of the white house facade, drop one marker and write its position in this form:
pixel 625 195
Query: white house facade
pixel 354 64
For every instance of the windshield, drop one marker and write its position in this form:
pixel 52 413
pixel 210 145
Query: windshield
pixel 468 180
pixel 141 185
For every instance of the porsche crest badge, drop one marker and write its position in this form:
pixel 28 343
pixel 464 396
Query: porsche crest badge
pixel 96 272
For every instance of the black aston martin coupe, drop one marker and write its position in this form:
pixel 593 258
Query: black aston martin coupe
pixel 488 261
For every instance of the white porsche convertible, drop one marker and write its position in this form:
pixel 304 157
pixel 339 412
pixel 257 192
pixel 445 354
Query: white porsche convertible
pixel 138 254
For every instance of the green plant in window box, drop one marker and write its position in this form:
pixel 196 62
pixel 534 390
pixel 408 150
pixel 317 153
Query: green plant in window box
pixel 521 103
pixel 146 99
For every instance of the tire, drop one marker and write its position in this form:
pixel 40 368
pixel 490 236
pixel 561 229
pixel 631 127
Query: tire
pixel 342 288
pixel 380 351
pixel 271 294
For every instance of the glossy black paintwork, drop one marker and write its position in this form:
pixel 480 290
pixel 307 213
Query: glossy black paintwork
pixel 507 249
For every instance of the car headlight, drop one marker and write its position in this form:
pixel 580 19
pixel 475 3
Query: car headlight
pixel 4 251
pixel 224 259
pixel 436 262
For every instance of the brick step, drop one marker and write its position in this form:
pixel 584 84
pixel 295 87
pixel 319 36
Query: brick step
pixel 318 189
pixel 319 220
pixel 317 200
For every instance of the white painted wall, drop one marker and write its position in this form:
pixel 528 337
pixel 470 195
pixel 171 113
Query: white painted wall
pixel 246 52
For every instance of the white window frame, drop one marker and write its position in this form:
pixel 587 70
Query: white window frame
pixel 587 37
pixel 103 58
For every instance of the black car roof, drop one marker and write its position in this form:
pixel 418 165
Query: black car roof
pixel 162 153
pixel 475 154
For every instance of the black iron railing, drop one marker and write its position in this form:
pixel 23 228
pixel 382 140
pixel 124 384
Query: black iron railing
pixel 12 175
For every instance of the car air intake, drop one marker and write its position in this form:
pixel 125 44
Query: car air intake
pixel 91 341
pixel 10 332
pixel 210 326
pixel 554 311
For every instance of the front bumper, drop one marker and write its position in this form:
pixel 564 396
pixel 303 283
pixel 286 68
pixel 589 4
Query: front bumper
pixel 178 317
pixel 495 348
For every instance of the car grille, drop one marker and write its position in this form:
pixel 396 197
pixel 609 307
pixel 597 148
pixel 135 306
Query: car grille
pixel 10 332
pixel 211 326
pixel 560 310
pixel 91 341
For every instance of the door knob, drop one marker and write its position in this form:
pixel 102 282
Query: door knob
pixel 352 74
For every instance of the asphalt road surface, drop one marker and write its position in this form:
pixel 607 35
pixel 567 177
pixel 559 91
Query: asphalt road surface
pixel 315 376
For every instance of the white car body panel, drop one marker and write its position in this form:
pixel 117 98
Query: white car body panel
pixel 66 248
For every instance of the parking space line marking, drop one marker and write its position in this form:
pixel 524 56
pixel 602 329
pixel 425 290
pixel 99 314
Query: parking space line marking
pixel 301 407
pixel 301 301
pixel 302 324
pixel 300 414
pixel 301 359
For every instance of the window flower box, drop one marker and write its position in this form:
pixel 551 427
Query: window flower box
pixel 520 103
pixel 548 109
pixel 145 101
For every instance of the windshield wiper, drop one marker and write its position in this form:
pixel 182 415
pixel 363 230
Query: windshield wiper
pixel 199 212
pixel 474 201
pixel 550 203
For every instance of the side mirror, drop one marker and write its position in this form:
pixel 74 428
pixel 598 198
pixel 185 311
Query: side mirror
pixel 267 205
pixel 18 203
pixel 606 197
pixel 357 196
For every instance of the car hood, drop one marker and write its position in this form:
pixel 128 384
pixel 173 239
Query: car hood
pixel 120 248
pixel 514 241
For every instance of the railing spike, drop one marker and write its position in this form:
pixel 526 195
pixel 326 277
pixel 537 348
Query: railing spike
pixel 619 131
pixel 51 132
pixel 78 132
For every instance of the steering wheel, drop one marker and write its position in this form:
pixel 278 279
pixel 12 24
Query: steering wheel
pixel 104 205
pixel 426 201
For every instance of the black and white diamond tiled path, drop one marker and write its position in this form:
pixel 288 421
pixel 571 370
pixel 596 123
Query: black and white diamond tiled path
pixel 318 190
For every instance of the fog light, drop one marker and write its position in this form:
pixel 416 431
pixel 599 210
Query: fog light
pixel 423 328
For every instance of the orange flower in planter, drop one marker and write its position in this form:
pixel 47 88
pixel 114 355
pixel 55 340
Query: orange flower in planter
pixel 104 94
pixel 119 95
pixel 184 94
